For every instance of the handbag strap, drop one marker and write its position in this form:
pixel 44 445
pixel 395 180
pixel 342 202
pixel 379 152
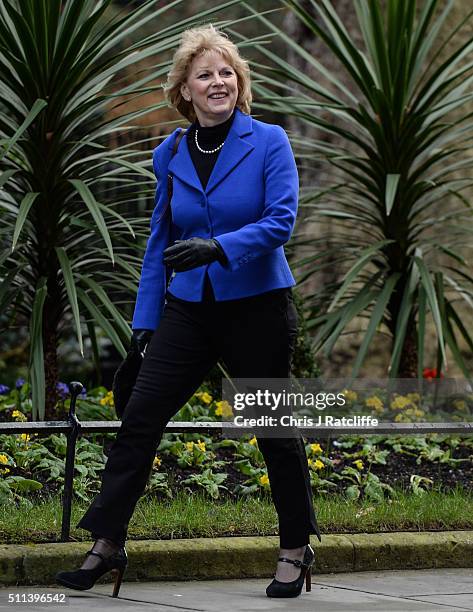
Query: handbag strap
pixel 174 149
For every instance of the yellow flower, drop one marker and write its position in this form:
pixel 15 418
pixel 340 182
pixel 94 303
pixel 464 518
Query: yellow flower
pixel 358 463
pixel 414 412
pixel 253 441
pixel 400 402
pixel 108 399
pixel 375 403
pixel 204 396
pixel 319 465
pixel 190 446
pixel 402 418
pixel 351 396
pixel 200 445
pixel 18 415
pixel 459 404
pixel 3 458
pixel 157 461
pixel 316 448
pixel 223 408
pixel 25 437
pixel 5 470
pixel 414 397
pixel 264 480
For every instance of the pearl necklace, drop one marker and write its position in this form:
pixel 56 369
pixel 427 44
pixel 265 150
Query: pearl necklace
pixel 203 150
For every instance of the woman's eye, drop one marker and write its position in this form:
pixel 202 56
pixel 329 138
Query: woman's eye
pixel 226 72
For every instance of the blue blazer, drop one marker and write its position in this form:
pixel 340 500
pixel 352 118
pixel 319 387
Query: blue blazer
pixel 249 206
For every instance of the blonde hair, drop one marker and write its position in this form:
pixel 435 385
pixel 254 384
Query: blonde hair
pixel 200 41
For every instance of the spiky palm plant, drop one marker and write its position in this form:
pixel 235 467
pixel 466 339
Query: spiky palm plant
pixel 399 153
pixel 64 242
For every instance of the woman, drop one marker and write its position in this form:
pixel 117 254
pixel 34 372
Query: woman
pixel 234 203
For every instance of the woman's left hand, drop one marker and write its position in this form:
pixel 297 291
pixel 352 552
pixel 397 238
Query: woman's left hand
pixel 188 254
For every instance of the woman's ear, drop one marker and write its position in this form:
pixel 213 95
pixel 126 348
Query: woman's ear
pixel 185 92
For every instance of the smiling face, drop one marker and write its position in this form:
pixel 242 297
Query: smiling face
pixel 210 76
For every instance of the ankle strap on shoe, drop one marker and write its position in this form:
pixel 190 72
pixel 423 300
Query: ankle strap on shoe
pixel 94 552
pixel 295 562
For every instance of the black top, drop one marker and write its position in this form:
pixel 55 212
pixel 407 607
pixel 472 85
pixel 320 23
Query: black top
pixel 209 138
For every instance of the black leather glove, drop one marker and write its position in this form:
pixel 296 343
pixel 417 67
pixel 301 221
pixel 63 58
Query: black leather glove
pixel 188 254
pixel 139 340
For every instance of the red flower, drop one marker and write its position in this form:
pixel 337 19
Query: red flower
pixel 430 373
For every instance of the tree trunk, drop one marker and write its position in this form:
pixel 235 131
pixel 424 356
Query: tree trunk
pixel 51 373
pixel 409 354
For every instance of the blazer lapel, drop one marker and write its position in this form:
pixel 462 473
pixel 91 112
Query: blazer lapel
pixel 232 152
pixel 182 166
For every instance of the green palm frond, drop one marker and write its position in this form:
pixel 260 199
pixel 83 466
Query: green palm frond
pixel 399 150
pixel 71 207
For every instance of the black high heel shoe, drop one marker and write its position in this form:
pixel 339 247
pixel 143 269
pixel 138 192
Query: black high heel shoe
pixel 83 579
pixel 294 588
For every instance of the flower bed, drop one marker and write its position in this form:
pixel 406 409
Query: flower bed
pixel 32 467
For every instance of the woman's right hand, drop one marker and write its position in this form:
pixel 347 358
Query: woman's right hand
pixel 139 341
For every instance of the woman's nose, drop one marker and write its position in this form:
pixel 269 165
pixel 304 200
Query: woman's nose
pixel 218 80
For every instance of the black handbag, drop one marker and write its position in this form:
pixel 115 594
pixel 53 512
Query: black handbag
pixel 123 382
pixel 125 377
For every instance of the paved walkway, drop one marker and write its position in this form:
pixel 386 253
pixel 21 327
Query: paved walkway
pixel 439 590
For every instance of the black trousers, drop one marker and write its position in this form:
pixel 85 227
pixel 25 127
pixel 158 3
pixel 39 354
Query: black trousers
pixel 254 337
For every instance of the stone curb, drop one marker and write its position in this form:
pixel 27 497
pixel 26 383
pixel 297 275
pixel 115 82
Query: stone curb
pixel 242 557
